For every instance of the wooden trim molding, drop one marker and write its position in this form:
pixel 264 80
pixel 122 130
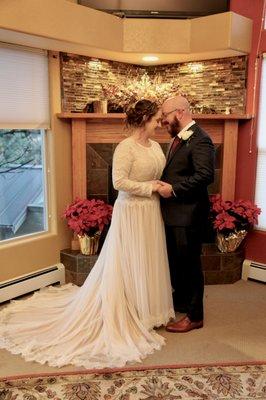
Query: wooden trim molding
pixel 79 176
pixel 110 116
pixel 229 159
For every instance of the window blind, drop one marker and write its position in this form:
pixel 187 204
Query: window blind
pixel 24 88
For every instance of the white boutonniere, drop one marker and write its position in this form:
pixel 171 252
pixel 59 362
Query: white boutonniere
pixel 186 135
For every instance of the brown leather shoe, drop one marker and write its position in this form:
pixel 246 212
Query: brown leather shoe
pixel 184 325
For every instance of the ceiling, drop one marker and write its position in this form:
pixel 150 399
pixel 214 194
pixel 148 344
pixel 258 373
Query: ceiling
pixel 69 27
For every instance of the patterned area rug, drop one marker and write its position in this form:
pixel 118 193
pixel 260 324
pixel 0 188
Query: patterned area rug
pixel 233 382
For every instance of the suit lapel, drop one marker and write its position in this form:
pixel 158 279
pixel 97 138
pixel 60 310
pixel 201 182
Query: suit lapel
pixel 169 158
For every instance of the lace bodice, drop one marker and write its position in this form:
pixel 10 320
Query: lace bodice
pixel 135 166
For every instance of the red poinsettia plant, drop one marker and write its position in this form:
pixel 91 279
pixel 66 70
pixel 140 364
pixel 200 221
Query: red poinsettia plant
pixel 88 216
pixel 232 216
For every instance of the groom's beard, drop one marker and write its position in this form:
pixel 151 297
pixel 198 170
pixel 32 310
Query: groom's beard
pixel 174 127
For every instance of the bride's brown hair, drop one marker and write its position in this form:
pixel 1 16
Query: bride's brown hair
pixel 141 113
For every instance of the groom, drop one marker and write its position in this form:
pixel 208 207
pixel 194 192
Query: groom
pixel 185 206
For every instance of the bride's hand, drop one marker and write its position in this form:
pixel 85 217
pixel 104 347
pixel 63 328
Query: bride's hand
pixel 162 183
pixel 156 185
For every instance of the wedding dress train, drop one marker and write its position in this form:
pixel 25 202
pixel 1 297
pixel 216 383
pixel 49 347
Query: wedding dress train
pixel 109 320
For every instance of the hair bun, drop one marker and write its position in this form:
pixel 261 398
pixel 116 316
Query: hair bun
pixel 140 112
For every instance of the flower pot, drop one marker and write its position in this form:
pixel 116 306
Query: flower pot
pixel 89 244
pixel 229 243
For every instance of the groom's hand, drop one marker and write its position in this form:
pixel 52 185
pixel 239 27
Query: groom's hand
pixel 165 190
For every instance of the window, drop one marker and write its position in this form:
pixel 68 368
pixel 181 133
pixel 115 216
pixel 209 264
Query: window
pixel 24 118
pixel 260 194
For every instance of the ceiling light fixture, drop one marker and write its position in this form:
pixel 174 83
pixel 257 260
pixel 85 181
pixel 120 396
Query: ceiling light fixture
pixel 150 58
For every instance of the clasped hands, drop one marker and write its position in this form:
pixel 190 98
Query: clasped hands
pixel 163 188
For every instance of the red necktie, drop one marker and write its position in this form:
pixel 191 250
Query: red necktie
pixel 175 143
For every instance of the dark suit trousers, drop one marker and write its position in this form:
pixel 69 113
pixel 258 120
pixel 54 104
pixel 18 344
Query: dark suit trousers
pixel 184 249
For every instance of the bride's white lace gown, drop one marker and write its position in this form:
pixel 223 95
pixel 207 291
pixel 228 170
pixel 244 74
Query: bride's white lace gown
pixel 108 321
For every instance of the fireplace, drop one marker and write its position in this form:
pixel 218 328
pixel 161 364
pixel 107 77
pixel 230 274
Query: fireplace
pixel 94 138
pixel 99 170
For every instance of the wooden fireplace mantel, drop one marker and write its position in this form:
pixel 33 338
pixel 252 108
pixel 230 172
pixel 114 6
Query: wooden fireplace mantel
pixel 110 128
pixel 97 116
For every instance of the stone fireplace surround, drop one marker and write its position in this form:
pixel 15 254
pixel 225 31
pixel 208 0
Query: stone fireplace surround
pixel 218 84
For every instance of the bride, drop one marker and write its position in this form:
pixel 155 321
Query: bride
pixel 108 321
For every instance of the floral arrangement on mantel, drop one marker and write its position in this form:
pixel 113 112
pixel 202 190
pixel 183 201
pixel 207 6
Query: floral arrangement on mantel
pixel 87 217
pixel 232 220
pixel 122 94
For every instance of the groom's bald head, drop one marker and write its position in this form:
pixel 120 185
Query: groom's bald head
pixel 176 102
pixel 176 114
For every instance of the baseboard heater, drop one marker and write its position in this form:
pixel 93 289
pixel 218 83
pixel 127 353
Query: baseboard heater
pixel 254 270
pixel 27 283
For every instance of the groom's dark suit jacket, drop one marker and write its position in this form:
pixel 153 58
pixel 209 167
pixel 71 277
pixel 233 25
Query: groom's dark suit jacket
pixel 189 170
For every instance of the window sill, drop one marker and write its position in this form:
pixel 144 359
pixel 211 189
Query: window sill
pixel 24 240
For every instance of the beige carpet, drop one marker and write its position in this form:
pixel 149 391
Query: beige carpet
pixel 234 331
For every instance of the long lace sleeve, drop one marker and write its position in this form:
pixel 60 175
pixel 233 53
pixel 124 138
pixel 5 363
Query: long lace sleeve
pixel 122 163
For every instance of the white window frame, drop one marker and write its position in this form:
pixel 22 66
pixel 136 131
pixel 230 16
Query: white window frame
pixel 44 126
pixel 260 189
